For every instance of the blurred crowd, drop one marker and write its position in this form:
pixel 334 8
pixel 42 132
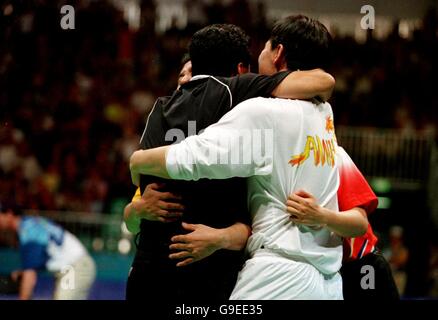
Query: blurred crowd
pixel 73 103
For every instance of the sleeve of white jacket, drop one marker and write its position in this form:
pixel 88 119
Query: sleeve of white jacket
pixel 239 145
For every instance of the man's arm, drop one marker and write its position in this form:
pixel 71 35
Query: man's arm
pixel 148 162
pixel 306 85
pixel 131 218
pixel 213 154
pixel 304 209
pixel 313 84
pixel 203 241
pixel 27 283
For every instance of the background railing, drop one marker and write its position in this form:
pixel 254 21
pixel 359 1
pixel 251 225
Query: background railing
pixel 401 158
pixel 402 168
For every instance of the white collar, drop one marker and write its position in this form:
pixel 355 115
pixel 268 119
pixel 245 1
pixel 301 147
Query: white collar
pixel 200 76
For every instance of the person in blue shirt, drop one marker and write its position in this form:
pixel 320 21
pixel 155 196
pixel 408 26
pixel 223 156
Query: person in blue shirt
pixel 45 245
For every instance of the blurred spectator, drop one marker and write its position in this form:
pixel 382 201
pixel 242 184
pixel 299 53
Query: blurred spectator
pixel 397 257
pixel 239 13
pixel 196 15
pixel 45 246
pixel 216 12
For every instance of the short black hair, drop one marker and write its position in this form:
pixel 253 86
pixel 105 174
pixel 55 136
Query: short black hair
pixel 306 42
pixel 218 49
pixel 6 206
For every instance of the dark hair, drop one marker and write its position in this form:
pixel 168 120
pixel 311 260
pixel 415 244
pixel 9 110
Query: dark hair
pixel 218 49
pixel 6 206
pixel 306 42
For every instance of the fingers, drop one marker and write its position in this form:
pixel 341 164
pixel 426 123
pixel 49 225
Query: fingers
pixel 302 204
pixel 155 186
pixel 185 253
pixel 303 194
pixel 169 216
pixel 302 197
pixel 295 209
pixel 296 198
pixel 170 205
pixel 186 262
pixel 172 214
pixel 297 216
pixel 179 238
pixel 189 227
pixel 293 204
pixel 154 189
pixel 180 255
pixel 300 217
pixel 179 246
pixel 168 196
pixel 294 213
